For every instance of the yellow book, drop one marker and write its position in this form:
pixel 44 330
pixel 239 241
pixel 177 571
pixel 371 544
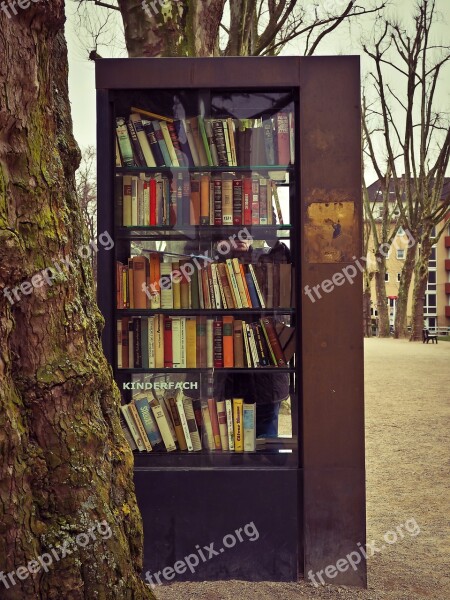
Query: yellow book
pixel 191 343
pixel 152 115
pixel 238 406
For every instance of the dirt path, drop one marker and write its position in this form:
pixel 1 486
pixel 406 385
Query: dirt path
pixel 407 440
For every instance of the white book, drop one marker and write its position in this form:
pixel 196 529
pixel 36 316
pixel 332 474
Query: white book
pixel 163 425
pixel 208 436
pixel 217 294
pixel 184 423
pixel 166 285
pixel 140 202
pixel 209 343
pixel 151 342
pixel 223 429
pixel 230 423
pixel 143 141
pixel 249 422
pixel 169 144
pixel 192 424
pixel 146 197
pixel 252 345
pixel 248 355
pixel 134 200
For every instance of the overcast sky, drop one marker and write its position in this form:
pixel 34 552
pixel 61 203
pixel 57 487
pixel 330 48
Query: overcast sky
pixel 346 40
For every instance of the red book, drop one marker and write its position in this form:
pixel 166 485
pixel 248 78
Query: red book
pixel 168 352
pixel 247 200
pixel 152 184
pixel 283 144
pixel 227 340
pixel 218 202
pixel 237 201
pixel 218 344
pixel 255 201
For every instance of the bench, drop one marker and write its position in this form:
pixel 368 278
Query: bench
pixel 427 336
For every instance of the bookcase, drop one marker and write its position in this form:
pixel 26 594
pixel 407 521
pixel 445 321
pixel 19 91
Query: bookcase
pixel 231 189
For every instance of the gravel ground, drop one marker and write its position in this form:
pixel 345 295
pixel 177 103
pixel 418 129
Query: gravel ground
pixel 407 441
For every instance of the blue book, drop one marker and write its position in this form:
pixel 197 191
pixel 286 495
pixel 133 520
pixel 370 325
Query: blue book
pixel 162 143
pixel 148 421
pixel 252 291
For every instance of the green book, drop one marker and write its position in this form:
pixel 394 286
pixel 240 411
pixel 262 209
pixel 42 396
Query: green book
pixel 202 129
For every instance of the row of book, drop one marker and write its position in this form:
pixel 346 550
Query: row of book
pixel 176 422
pixel 180 342
pixel 148 283
pixel 147 139
pixel 201 199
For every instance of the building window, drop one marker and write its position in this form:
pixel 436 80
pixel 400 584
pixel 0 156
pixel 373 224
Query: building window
pixel 380 212
pixel 433 232
pixel 432 259
pixel 400 231
pixel 431 285
pixel 386 276
pixel 399 275
pixel 400 254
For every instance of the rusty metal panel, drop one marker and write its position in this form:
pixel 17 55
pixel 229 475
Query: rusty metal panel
pixel 332 338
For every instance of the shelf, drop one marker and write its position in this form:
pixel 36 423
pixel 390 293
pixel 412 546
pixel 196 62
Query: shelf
pixel 191 232
pixel 206 169
pixel 186 312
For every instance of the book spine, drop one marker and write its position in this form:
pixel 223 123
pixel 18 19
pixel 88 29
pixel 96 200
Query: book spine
pixel 217 294
pixel 184 424
pixel 162 143
pixel 163 425
pixel 166 285
pixel 127 433
pixel 222 419
pixel 145 413
pixel 159 341
pixel 169 143
pixel 149 160
pixel 192 424
pixel 257 288
pixel 201 343
pixel 191 342
pixel 123 138
pixel 139 426
pixel 119 343
pixel 292 137
pixel 137 150
pixel 268 140
pixel 176 342
pixel 262 354
pixel 195 202
pixel 132 427
pixel 273 342
pixel 207 432
pixel 204 139
pixel 179 431
pixel 237 422
pixel 237 201
pixel 227 340
pixel 238 344
pixel 185 150
pixel 227 200
pixel 263 207
pixel 277 203
pixel 218 202
pixel 255 201
pixel 247 200
pixel 233 283
pixel 137 343
pixel 218 343
pixel 252 346
pixel 219 140
pixel 209 343
pixel 191 142
pixel 240 283
pixel 168 348
pixel 211 142
pixel 283 144
pixel 230 424
pixel 151 342
pixel 204 199
pixel 154 146
pixel 249 426
pixel 214 423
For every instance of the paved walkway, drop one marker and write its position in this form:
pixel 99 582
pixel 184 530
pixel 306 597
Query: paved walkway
pixel 407 440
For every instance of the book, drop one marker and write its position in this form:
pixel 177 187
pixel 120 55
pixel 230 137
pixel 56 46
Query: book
pixel 227 341
pixel 204 199
pixel 126 217
pixel 238 404
pixel 159 341
pixel 222 420
pixel 191 342
pixel 273 342
pixel 218 343
pixel 151 115
pixel 227 199
pixel 163 425
pixel 249 427
pixel 283 143
pixel 148 421
pixel 209 343
pixel 168 346
pixel 132 411
pixel 162 142
pixel 142 140
pixel 238 344
pixel 192 424
pixel 207 432
pixel 127 433
pixel 176 420
pixel 268 140
pixel 237 202
pixel 184 424
pixel 132 427
pixel 259 294
pixel 204 139
pixel 154 145
pixel 166 285
pixel 123 138
pixel 214 423
pixel 230 423
pixel 255 201
pixel 191 142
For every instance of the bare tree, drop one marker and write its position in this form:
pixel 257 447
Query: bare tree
pixel 230 27
pixel 416 141
pixel 86 192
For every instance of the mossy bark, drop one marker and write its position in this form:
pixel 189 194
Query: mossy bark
pixel 65 465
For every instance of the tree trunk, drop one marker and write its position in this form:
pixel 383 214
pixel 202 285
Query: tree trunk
pixel 65 466
pixel 171 28
pixel 401 325
pixel 420 286
pixel 382 305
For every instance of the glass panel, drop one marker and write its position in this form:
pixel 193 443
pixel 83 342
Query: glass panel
pixel 205 314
